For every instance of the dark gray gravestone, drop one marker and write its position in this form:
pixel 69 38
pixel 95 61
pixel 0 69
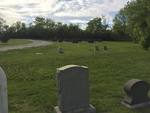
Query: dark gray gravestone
pixel 137 94
pixel 96 48
pixel 73 86
pixel 105 48
pixel 60 50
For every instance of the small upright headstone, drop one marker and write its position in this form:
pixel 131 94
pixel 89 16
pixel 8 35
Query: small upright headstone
pixel 73 90
pixel 60 50
pixel 137 94
pixel 3 92
pixel 96 48
pixel 105 48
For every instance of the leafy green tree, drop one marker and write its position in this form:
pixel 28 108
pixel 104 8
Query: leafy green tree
pixel 39 22
pixel 3 31
pixel 17 30
pixel 49 24
pixel 2 22
pixel 138 21
pixel 18 26
pixel 47 29
pixel 96 25
pixel 119 23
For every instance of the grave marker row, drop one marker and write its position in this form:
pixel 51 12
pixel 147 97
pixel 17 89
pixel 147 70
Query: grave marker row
pixel 73 91
pixel 137 94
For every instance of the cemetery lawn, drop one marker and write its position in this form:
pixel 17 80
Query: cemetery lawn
pixel 14 42
pixel 31 74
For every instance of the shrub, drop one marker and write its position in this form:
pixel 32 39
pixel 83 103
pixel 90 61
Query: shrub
pixel 3 39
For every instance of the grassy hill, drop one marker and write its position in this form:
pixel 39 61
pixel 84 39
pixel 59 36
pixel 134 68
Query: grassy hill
pixel 31 74
pixel 13 42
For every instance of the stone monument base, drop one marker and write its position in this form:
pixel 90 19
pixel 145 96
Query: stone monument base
pixel 145 104
pixel 91 109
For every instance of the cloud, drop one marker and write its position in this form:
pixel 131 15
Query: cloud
pixel 89 8
pixel 67 11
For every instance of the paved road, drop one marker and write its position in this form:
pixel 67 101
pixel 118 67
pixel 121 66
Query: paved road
pixel 35 43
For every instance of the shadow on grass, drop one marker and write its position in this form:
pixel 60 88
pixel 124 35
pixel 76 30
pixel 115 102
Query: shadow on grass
pixel 143 109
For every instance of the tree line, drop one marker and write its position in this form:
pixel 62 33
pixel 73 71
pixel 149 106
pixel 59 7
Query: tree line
pixel 134 20
pixel 131 23
pixel 47 29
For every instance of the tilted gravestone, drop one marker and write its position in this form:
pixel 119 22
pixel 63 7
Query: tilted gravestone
pixel 3 92
pixel 73 90
pixel 137 94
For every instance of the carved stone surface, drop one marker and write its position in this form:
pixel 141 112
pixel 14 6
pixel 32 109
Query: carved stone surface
pixel 3 92
pixel 73 86
pixel 137 93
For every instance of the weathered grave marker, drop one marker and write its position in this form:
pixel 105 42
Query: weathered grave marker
pixel 3 92
pixel 96 48
pixel 60 50
pixel 73 86
pixel 105 48
pixel 137 94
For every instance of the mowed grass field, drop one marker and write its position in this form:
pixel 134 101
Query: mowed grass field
pixel 31 77
pixel 13 42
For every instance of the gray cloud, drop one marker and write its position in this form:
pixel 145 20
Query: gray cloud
pixel 68 11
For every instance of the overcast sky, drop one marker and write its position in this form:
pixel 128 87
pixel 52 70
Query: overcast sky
pixel 67 11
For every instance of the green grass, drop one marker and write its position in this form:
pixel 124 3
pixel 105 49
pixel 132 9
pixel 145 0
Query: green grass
pixel 13 42
pixel 31 77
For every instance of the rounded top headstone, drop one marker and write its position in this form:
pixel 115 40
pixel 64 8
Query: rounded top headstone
pixel 70 67
pixel 136 87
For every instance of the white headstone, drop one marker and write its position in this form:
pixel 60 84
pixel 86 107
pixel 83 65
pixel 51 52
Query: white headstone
pixel 3 92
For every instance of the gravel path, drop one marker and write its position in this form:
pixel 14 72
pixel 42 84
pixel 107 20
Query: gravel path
pixel 35 43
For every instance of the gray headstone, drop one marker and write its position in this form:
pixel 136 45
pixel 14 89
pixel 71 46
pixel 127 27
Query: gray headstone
pixel 105 48
pixel 96 48
pixel 73 90
pixel 3 92
pixel 60 50
pixel 136 94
